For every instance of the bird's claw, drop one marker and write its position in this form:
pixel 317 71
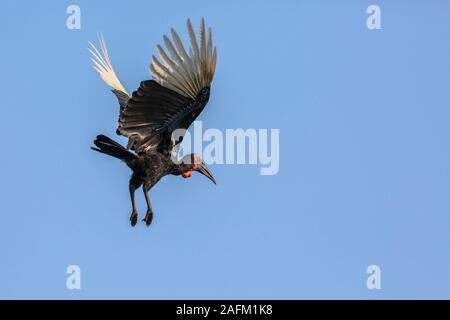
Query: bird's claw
pixel 148 218
pixel 133 218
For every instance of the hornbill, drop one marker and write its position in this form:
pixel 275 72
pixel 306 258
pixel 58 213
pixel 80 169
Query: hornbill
pixel 172 100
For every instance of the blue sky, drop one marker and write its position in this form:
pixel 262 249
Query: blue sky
pixel 364 154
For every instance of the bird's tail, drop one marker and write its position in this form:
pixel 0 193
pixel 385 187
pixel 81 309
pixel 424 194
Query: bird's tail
pixel 110 147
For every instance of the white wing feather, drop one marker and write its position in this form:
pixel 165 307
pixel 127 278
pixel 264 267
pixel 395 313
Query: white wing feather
pixel 102 64
pixel 183 72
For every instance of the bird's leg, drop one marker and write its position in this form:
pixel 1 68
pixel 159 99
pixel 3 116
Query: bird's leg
pixel 134 214
pixel 149 216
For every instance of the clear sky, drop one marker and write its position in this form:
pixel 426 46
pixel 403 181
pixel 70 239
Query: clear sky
pixel 364 154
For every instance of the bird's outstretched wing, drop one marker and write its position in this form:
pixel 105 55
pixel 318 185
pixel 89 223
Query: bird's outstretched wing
pixel 175 97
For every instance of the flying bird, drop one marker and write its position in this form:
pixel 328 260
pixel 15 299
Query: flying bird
pixel 150 116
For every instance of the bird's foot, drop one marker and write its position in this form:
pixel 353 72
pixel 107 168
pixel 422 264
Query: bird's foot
pixel 133 218
pixel 148 218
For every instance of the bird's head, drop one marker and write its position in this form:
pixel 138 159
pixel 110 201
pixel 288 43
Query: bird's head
pixel 193 162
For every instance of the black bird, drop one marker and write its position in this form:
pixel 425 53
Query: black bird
pixel 151 116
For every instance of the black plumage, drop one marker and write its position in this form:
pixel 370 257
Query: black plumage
pixel 171 101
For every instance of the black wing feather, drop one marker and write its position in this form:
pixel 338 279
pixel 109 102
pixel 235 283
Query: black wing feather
pixel 149 108
pixel 122 97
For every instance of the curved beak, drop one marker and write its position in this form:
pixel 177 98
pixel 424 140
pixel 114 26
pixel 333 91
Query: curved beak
pixel 203 169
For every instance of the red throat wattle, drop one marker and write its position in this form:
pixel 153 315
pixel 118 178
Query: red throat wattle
pixel 187 174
